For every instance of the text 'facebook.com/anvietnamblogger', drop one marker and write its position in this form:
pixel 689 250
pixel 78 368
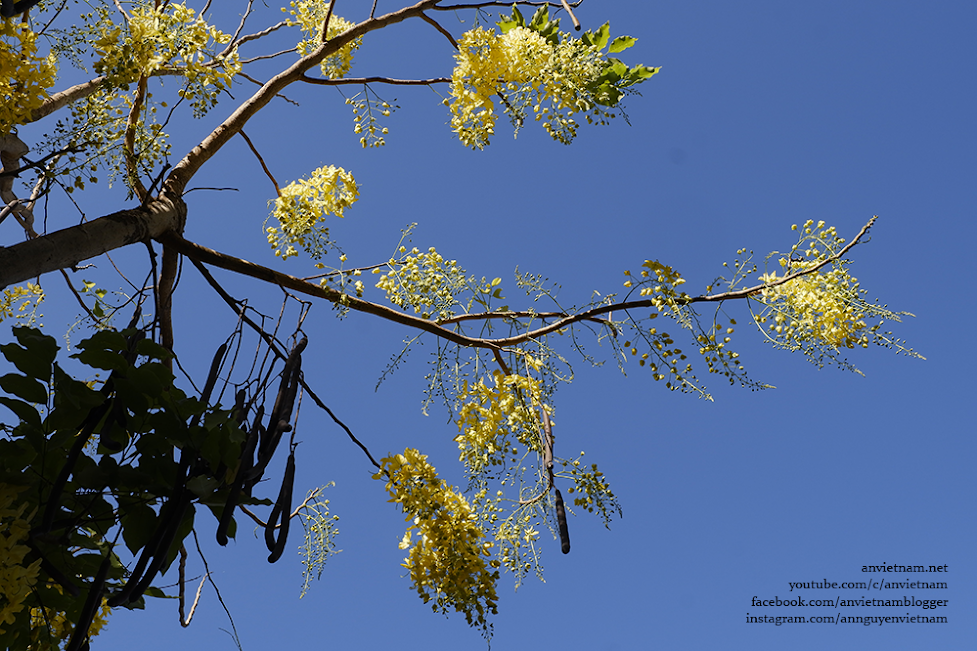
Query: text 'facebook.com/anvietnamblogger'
pixel 885 595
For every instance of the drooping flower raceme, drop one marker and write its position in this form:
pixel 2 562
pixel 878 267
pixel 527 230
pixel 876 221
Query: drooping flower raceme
pixel 822 311
pixel 448 558
pixel 489 416
pixel 423 281
pixel 169 35
pixel 302 206
pixel 532 68
pixel 16 579
pixel 25 76
pixel 309 15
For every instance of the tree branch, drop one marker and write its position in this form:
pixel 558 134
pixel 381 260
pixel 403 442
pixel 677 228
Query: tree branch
pixel 183 171
pixel 69 246
pixel 482 5
pixel 209 256
pixel 375 80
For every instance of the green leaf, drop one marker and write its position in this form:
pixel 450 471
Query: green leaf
pixel 107 360
pixel 138 524
pixel 202 486
pixel 507 23
pixel 540 18
pixel 599 38
pixel 24 387
pixel 26 362
pixel 153 591
pixel 621 43
pixel 37 343
pixel 151 349
pixel 25 412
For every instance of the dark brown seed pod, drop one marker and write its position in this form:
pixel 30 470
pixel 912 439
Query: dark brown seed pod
pixel 79 638
pixel 561 521
pixel 244 466
pixel 281 511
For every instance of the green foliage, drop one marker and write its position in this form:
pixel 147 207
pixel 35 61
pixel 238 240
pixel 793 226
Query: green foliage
pixel 151 440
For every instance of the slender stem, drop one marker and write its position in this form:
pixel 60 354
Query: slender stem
pixel 262 161
pixel 441 29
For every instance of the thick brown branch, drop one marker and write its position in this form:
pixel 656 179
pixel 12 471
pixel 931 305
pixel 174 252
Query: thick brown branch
pixel 129 142
pixel 375 80
pixel 483 5
pixel 69 246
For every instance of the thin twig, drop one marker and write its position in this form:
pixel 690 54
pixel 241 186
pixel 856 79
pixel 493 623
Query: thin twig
pixel 441 29
pixel 262 161
pixel 294 513
pixel 743 293
pixel 251 37
pixel 185 620
pixel 78 297
pixel 261 83
pixel 237 640
pixel 267 56
pixel 325 23
pixel 234 42
pixel 73 149
pixel 346 272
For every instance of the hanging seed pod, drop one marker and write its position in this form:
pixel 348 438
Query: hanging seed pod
pixel 561 521
pixel 281 511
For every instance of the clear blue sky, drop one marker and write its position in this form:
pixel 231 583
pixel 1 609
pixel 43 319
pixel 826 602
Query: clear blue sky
pixel 765 114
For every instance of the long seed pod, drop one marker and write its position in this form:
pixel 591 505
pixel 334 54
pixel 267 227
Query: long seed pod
pixel 247 460
pixel 168 513
pixel 289 378
pixel 281 511
pixel 162 551
pixel 79 637
pixel 561 521
pixel 215 366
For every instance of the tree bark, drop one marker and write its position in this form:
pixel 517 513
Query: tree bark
pixel 68 247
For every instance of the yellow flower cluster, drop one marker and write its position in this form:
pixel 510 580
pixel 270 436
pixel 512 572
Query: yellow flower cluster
pixel 26 295
pixel 591 490
pixel 823 307
pixel 310 14
pixel 665 294
pixel 424 281
pixel 490 415
pixel 16 579
pixel 26 76
pixel 301 207
pixel 167 36
pixel 448 554
pixel 659 282
pixel 365 123
pixel 524 69
pixel 50 629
